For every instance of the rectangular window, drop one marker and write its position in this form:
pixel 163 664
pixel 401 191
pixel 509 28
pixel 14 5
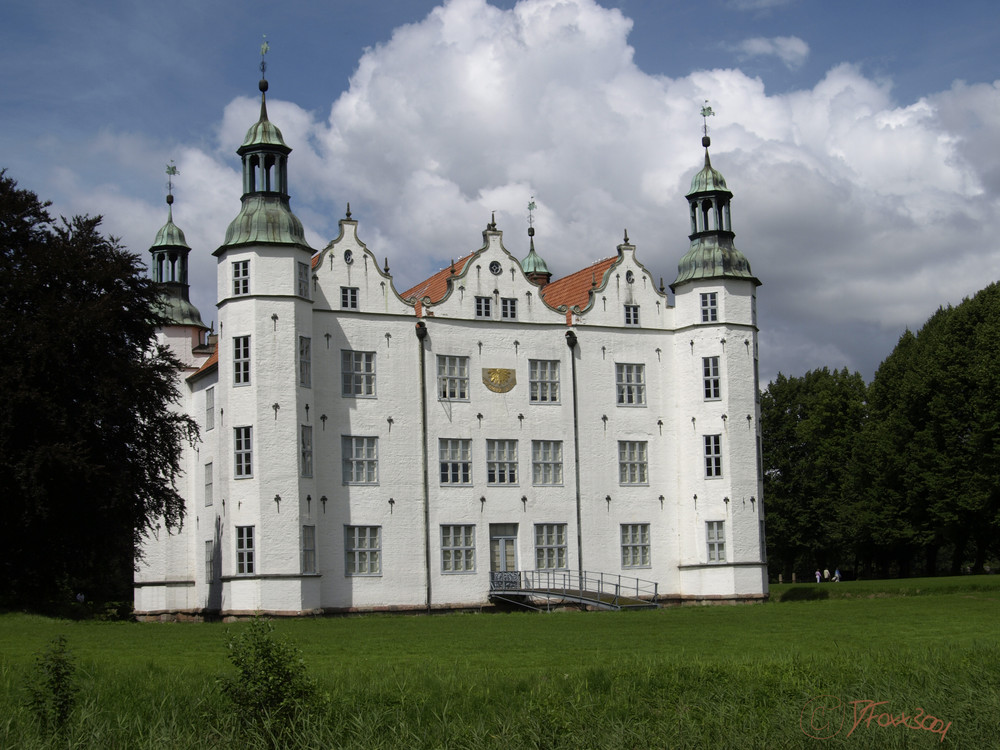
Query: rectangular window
pixel 713 455
pixel 360 459
pixel 241 360
pixel 716 541
pixel 630 381
pixel 307 450
pixel 550 546
pixel 484 307
pixel 363 550
pixel 709 307
pixel 210 409
pixel 303 280
pixel 635 545
pixel 243 448
pixel 501 462
pixel 357 374
pixel 348 298
pixel 632 462
pixel 305 361
pixel 456 461
pixel 308 549
pixel 543 381
pixel 209 485
pixel 244 550
pixel 241 277
pixel 453 378
pixel 508 308
pixel 458 549
pixel 209 561
pixel 546 462
pixel 710 370
pixel 631 315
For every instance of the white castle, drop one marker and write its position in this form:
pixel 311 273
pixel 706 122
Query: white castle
pixel 487 434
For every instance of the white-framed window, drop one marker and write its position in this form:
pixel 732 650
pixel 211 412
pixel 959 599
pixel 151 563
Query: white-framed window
pixel 550 546
pixel 630 382
pixel 546 462
pixel 716 532
pixel 305 361
pixel 357 374
pixel 453 378
pixel 363 550
pixel 210 408
pixel 632 465
pixel 241 360
pixel 209 560
pixel 508 308
pixel 631 315
pixel 360 459
pixel 308 549
pixel 306 449
pixel 712 381
pixel 458 548
pixel 709 307
pixel 713 455
pixel 209 485
pixel 244 551
pixel 501 462
pixel 456 460
pixel 243 451
pixel 635 545
pixel 302 280
pixel 543 381
pixel 241 277
pixel 484 307
pixel 348 298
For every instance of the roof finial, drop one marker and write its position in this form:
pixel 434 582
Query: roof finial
pixel 264 47
pixel 626 236
pixel 348 210
pixel 706 112
pixel 171 171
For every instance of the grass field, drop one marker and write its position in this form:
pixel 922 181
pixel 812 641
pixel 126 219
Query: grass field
pixel 718 677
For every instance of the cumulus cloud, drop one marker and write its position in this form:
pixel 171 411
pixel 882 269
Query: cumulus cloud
pixel 861 215
pixel 791 50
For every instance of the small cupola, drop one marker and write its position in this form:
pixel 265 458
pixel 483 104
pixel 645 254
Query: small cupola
pixel 533 265
pixel 712 253
pixel 265 216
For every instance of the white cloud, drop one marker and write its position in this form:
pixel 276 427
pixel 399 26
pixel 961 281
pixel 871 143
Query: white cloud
pixel 860 215
pixel 791 50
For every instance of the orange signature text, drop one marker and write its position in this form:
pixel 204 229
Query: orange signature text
pixel 823 717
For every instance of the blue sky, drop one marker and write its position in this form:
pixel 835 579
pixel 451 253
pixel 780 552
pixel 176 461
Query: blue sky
pixel 859 138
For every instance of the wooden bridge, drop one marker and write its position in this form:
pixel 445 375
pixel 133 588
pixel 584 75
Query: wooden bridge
pixel 543 589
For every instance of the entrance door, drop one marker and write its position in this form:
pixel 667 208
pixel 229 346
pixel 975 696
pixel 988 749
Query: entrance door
pixel 503 547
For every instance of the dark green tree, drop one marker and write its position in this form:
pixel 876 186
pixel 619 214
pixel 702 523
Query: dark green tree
pixel 809 427
pixel 89 446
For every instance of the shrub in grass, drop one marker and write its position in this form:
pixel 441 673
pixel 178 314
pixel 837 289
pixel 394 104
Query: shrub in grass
pixel 270 688
pixel 52 691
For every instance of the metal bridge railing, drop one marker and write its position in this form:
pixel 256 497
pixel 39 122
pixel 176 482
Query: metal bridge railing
pixel 606 588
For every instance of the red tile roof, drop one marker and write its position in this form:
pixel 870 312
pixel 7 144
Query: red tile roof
pixel 574 290
pixel 436 287
pixel 209 363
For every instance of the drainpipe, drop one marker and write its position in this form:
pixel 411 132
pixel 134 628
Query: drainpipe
pixel 571 343
pixel 421 338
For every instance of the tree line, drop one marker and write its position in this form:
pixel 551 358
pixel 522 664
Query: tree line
pixel 897 477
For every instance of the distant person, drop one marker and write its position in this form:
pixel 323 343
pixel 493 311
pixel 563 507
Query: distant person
pixel 819 576
pixel 836 575
pixel 826 574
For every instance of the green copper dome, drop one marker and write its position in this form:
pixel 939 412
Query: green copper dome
pixel 707 179
pixel 533 263
pixel 713 258
pixel 265 219
pixel 170 235
pixel 263 132
pixel 179 311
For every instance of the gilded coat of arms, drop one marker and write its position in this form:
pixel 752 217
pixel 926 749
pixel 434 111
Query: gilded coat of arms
pixel 499 379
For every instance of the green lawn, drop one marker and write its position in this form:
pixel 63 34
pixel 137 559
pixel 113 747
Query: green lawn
pixel 721 677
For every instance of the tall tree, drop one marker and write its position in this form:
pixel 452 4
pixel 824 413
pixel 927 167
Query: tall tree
pixel 809 426
pixel 89 447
